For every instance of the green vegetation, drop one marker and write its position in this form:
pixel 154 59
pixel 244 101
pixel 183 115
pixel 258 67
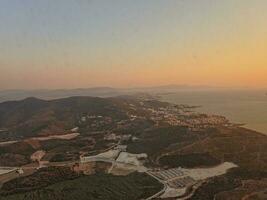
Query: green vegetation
pixel 155 140
pixel 31 116
pixel 95 187
pixel 15 155
pixel 228 182
pixel 218 184
pixel 64 157
pixel 189 160
pixel 13 160
pixel 21 148
pixel 42 178
pixel 243 147
pixel 245 174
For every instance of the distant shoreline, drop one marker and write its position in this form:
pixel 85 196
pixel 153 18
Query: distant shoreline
pixel 245 108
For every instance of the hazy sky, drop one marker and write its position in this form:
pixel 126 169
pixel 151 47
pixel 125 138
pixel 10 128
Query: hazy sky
pixel 127 43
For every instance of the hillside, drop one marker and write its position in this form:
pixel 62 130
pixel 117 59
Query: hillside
pixel 61 183
pixel 59 132
pixel 32 117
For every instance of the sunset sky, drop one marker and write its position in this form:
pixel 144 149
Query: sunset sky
pixel 129 43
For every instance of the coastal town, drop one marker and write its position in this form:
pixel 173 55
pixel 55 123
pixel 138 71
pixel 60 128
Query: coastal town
pixel 170 114
pixel 138 135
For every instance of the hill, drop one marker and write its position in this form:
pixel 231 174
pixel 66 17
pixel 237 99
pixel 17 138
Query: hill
pixel 170 135
pixel 32 117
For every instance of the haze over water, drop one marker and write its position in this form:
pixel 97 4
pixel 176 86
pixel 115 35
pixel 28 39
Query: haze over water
pixel 135 43
pixel 239 106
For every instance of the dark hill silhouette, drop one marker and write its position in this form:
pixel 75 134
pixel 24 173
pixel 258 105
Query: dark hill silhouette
pixel 31 116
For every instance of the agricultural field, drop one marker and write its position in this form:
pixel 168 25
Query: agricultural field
pixel 99 186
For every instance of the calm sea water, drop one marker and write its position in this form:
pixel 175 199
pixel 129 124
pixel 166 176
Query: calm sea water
pixel 246 106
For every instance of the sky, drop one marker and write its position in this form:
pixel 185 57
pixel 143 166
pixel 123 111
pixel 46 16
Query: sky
pixel 132 43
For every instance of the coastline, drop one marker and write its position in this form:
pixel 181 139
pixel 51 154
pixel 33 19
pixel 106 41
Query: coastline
pixel 245 108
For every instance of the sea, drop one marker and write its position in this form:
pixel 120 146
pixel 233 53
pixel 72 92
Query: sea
pixel 247 107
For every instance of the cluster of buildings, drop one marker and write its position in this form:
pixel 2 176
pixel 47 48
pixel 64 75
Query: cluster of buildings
pixel 120 138
pixel 95 122
pixel 182 182
pixel 175 178
pixel 168 174
pixel 184 116
pixel 116 155
pixel 178 181
pixel 174 115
